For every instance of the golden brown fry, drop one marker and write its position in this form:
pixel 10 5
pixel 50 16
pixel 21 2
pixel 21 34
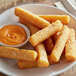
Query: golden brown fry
pixel 59 45
pixel 14 53
pixel 50 62
pixel 42 56
pixel 26 64
pixel 65 19
pixel 42 60
pixel 33 19
pixel 70 49
pixel 49 44
pixel 45 33
pixel 33 29
pixel 55 37
pixel 30 64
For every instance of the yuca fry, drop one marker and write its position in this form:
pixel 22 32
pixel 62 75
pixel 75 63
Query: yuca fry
pixel 45 33
pixel 65 19
pixel 49 44
pixel 14 53
pixel 26 64
pixel 55 37
pixel 33 29
pixel 70 50
pixel 50 62
pixel 59 45
pixel 29 64
pixel 42 60
pixel 32 18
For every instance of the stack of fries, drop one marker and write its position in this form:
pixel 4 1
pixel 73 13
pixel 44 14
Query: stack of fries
pixel 50 36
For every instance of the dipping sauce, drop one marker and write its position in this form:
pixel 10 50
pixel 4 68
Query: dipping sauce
pixel 12 35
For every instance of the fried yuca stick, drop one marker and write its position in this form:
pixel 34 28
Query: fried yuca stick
pixel 50 61
pixel 33 29
pixel 26 64
pixel 14 53
pixel 70 50
pixel 42 56
pixel 45 33
pixel 49 44
pixel 55 37
pixel 40 49
pixel 32 18
pixel 29 64
pixel 59 45
pixel 65 19
pixel 42 60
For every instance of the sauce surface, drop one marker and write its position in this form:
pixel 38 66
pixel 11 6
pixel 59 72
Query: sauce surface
pixel 12 35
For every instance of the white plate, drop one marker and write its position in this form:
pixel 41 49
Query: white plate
pixel 9 67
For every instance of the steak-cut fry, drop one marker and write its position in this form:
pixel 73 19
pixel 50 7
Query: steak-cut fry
pixel 42 60
pixel 70 49
pixel 50 62
pixel 49 44
pixel 59 45
pixel 32 18
pixel 20 54
pixel 33 29
pixel 26 64
pixel 45 33
pixel 55 37
pixel 42 56
pixel 65 19
pixel 30 64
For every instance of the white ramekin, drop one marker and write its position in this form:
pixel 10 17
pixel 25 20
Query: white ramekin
pixel 18 24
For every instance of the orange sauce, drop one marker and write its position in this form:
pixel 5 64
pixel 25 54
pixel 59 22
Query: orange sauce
pixel 12 35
